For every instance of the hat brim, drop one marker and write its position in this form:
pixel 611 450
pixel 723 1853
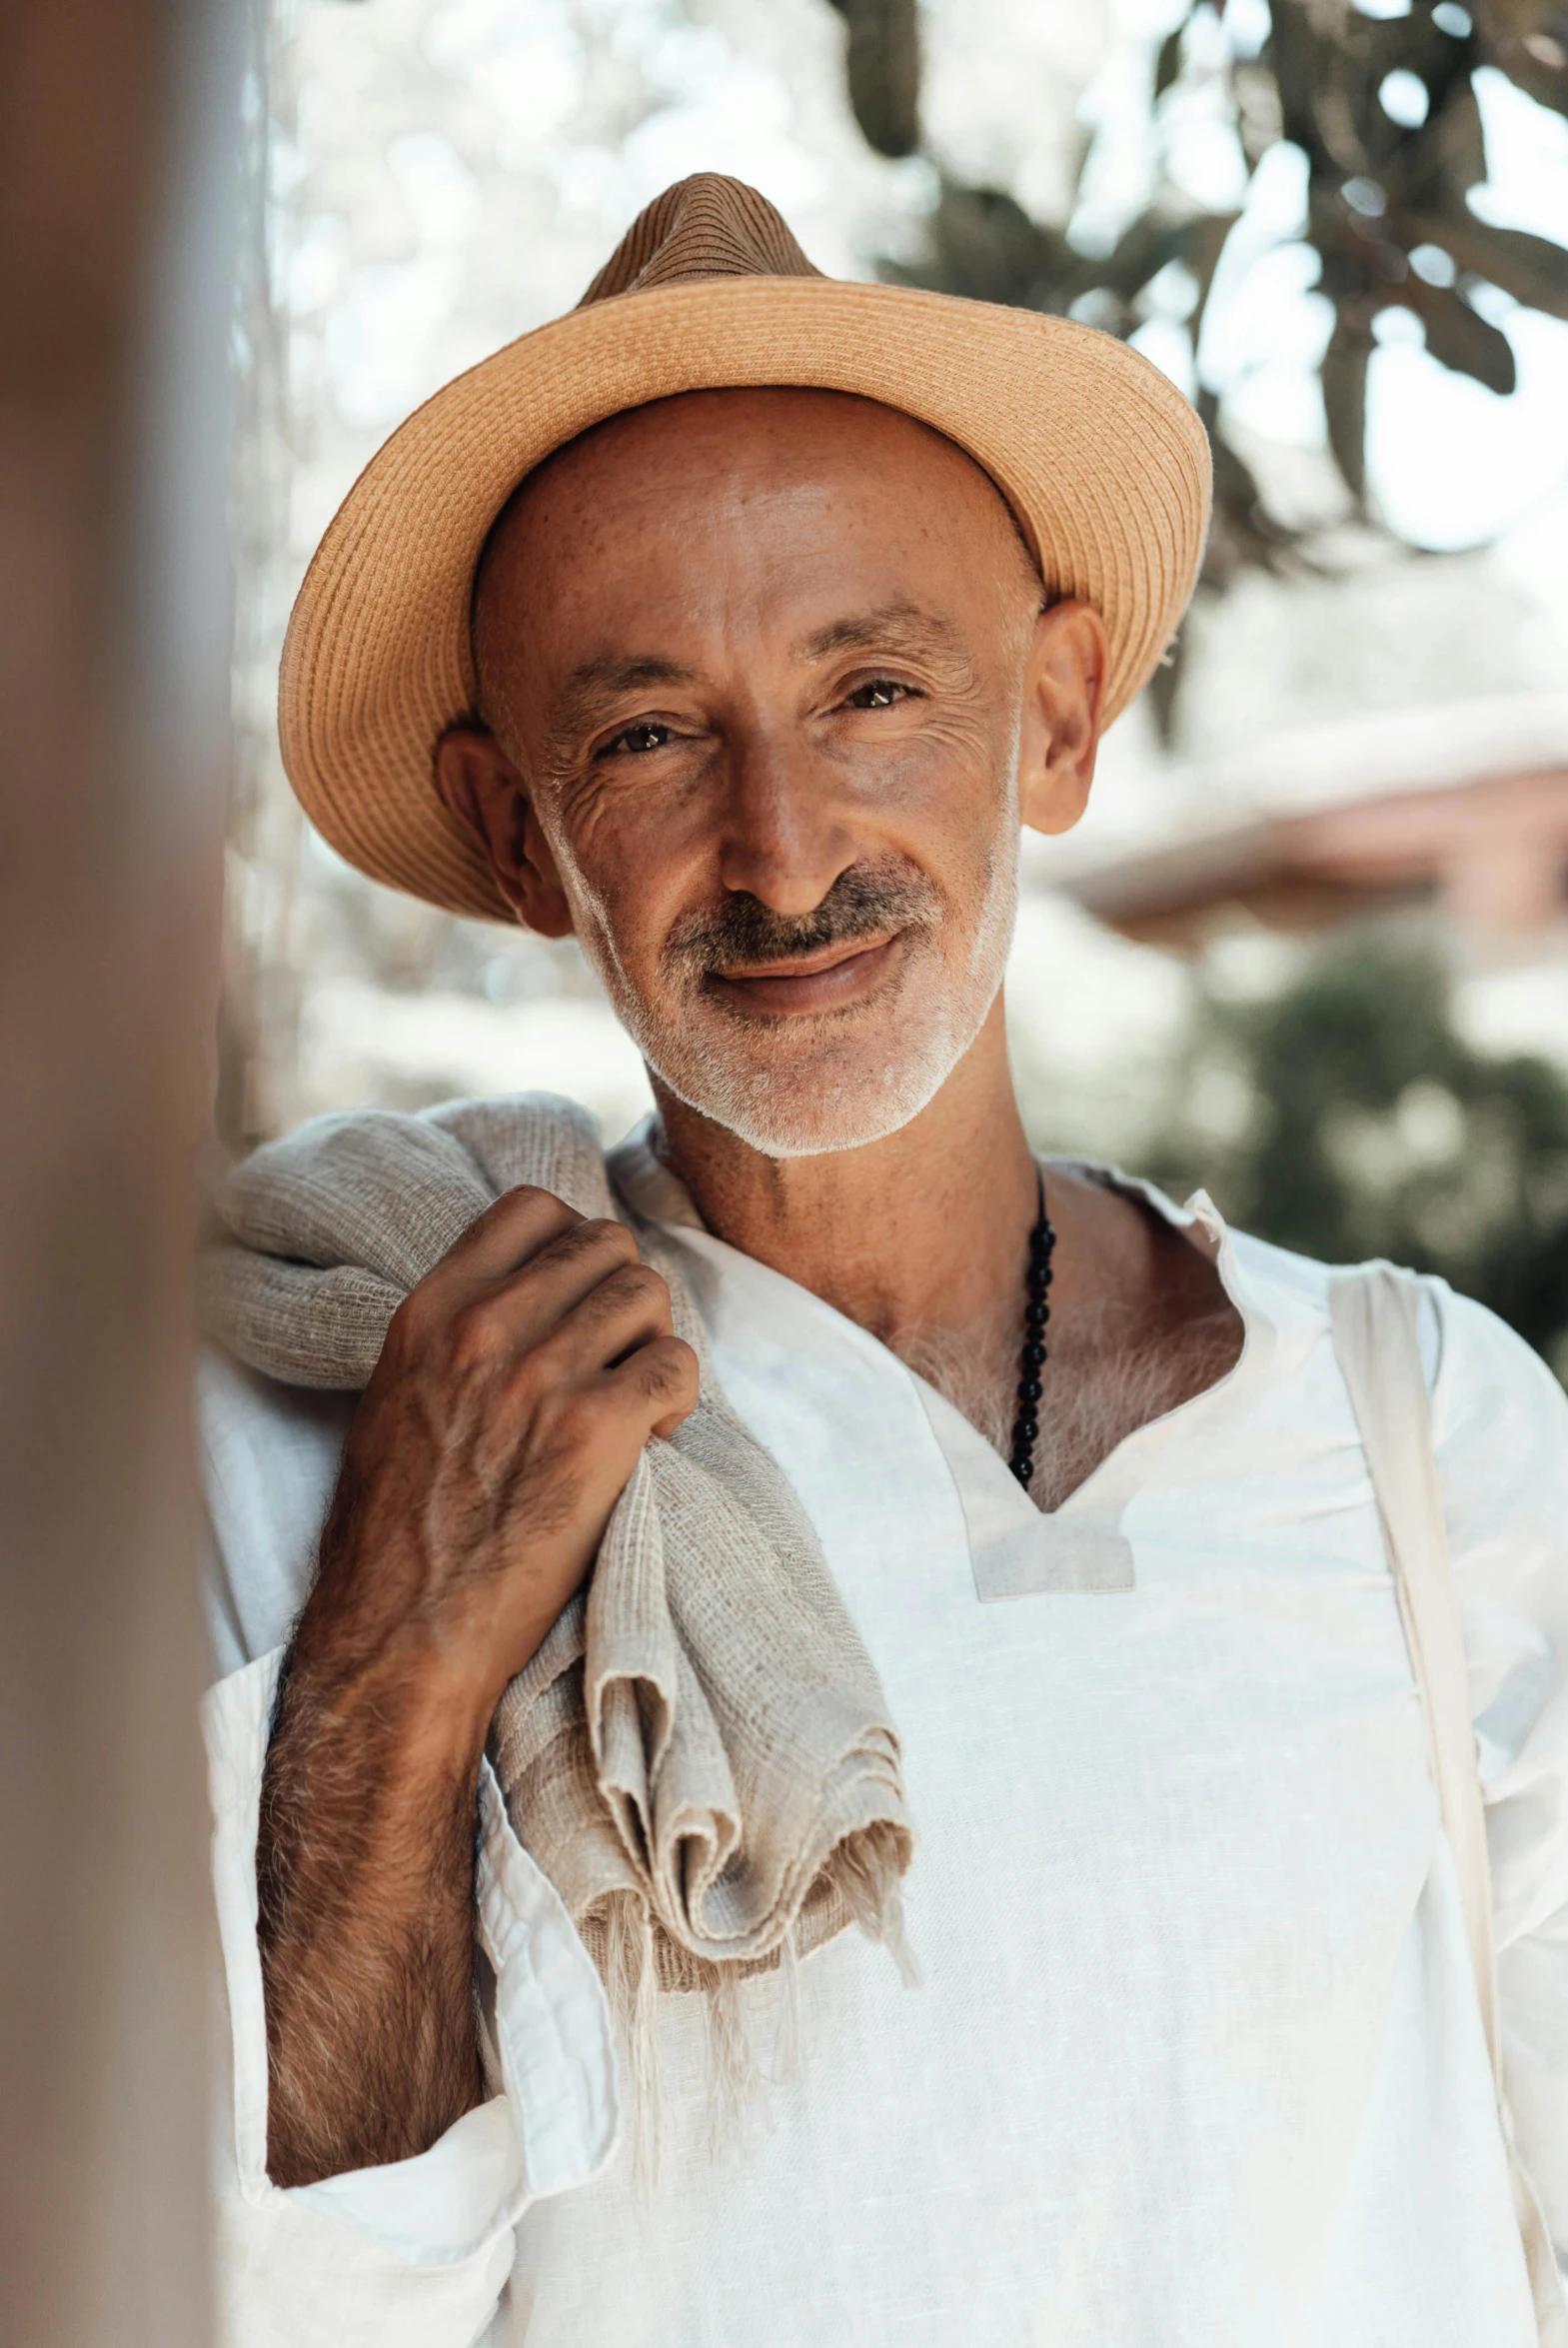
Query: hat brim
pixel 1104 462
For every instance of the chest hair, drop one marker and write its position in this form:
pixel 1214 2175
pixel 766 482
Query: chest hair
pixel 1117 1368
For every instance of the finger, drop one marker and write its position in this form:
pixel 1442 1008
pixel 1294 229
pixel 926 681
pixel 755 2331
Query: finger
pixel 659 1381
pixel 507 1235
pixel 489 1322
pixel 454 1308
pixel 629 1307
pixel 530 1302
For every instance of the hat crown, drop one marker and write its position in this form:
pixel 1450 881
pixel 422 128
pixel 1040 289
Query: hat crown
pixel 705 226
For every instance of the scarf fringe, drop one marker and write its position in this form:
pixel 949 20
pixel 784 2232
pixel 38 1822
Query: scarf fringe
pixel 788 2045
pixel 631 1976
pixel 869 1876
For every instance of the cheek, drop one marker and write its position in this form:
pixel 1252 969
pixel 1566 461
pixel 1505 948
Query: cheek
pixel 948 789
pixel 965 829
pixel 627 876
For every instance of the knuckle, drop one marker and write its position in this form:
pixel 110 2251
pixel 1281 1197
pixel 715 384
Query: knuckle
pixel 471 1332
pixel 577 1420
pixel 528 1380
pixel 408 1327
pixel 528 1197
pixel 671 1369
pixel 603 1234
pixel 637 1283
pixel 525 1216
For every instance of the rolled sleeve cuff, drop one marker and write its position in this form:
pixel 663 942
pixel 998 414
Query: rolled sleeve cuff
pixel 555 2122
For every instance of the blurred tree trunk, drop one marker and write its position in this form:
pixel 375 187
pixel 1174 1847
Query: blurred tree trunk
pixel 116 149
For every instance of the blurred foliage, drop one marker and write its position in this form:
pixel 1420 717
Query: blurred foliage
pixel 883 69
pixel 1345 1117
pixel 1390 166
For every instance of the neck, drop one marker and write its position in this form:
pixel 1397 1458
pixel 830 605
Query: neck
pixel 923 1232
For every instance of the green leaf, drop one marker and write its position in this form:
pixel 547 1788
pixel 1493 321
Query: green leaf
pixel 1140 254
pixel 1168 63
pixel 1531 268
pixel 1435 170
pixel 1202 242
pixel 1297 59
pixel 1343 377
pixel 1459 339
pixel 883 73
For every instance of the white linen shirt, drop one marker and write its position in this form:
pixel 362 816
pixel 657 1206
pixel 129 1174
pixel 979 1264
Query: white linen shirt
pixel 1196 2056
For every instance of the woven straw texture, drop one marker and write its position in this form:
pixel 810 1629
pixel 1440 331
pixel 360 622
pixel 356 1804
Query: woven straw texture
pixel 700 1757
pixel 1101 459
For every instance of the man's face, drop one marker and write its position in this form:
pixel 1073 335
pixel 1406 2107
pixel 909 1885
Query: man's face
pixel 755 661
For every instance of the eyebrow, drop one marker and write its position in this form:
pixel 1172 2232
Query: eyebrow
pixel 891 627
pixel 596 684
pixel 602 679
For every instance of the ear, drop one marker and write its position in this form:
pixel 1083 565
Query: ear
pixel 1064 692
pixel 485 790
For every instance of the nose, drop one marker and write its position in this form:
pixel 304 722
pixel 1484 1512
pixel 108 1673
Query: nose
pixel 784 839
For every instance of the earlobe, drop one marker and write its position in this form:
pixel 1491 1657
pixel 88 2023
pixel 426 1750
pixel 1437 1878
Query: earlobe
pixel 1064 686
pixel 485 790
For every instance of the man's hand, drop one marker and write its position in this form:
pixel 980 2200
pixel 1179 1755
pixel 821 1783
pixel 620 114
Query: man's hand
pixel 515 1388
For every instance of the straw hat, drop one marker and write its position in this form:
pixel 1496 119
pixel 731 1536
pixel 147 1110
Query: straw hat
pixel 1102 461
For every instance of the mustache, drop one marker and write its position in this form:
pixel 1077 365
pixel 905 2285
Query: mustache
pixel 867 900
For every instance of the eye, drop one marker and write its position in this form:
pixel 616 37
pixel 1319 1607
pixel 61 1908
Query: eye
pixel 648 733
pixel 881 693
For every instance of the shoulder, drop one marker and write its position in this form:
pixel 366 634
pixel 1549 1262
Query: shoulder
pixel 1499 1428
pixel 269 1456
pixel 1475 1365
pixel 1500 1434
pixel 1500 1431
pixel 1499 1418
pixel 1484 1368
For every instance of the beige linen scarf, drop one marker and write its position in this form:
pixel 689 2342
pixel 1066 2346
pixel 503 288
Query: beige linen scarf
pixel 699 1757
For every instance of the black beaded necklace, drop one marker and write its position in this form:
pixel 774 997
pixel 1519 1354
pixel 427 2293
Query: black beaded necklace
pixel 1037 1311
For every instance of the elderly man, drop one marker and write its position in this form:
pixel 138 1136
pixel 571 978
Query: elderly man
pixel 822 1516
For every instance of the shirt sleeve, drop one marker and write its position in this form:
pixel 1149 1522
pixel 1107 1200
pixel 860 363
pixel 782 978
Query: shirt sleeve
pixel 415 2254
pixel 1500 1424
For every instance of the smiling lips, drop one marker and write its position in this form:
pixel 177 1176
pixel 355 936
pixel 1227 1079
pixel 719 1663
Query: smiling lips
pixel 844 972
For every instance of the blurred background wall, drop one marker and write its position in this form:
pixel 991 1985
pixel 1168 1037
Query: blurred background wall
pixel 1310 946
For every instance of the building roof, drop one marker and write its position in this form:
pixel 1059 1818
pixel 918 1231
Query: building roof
pixel 1465 808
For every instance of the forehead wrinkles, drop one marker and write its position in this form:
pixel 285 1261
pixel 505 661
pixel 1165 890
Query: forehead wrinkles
pixel 612 470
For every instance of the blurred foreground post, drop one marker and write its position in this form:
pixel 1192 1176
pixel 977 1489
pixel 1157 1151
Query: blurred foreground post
pixel 116 148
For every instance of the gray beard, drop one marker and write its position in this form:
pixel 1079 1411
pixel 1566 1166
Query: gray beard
pixel 709 1059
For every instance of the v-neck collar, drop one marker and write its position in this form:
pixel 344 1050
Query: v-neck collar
pixel 1016 1549
pixel 1020 1550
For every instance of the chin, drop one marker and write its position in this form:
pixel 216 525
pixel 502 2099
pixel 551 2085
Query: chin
pixel 819 1098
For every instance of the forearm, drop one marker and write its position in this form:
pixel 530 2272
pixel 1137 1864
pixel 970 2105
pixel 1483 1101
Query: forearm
pixel 364 1881
pixel 517 1386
